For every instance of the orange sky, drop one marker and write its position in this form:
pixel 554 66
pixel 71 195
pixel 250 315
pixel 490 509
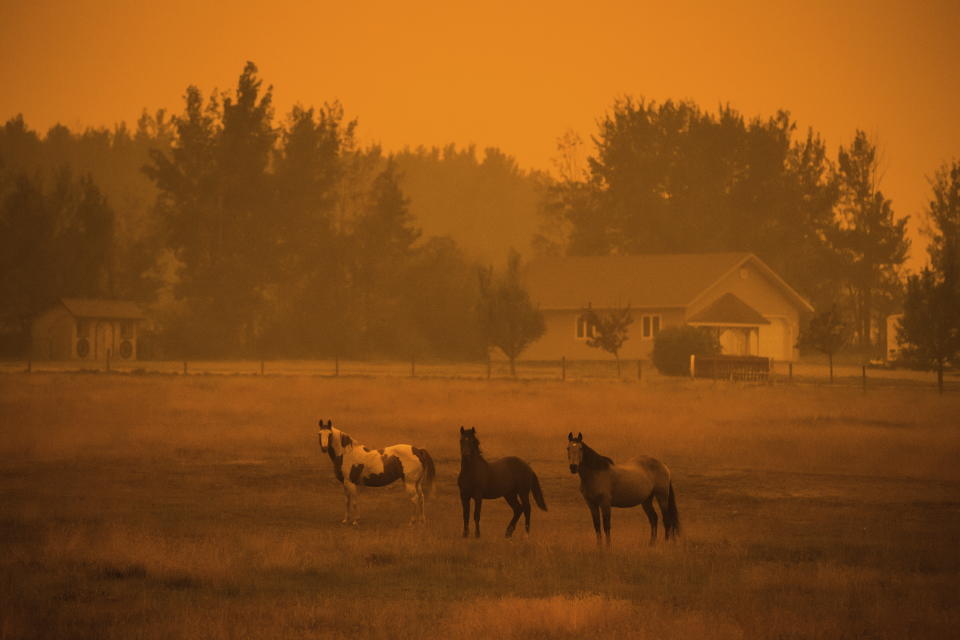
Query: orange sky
pixel 510 74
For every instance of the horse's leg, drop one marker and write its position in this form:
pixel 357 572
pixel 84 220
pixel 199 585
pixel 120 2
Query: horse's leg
pixel 605 508
pixel 595 514
pixel 351 491
pixel 477 503
pixel 517 510
pixel 465 501
pixel 416 497
pixel 525 503
pixel 652 517
pixel 662 501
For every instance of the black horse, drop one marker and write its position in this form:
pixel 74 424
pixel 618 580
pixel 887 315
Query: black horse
pixel 510 478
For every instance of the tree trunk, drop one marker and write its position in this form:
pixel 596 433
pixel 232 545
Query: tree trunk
pixel 513 368
pixel 618 364
pixel 940 376
pixel 830 358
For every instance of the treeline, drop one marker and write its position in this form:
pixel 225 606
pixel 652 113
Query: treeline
pixel 248 236
pixel 673 178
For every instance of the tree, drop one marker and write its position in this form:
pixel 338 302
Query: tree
pixel 216 203
pixel 610 329
pixel 872 244
pixel 826 333
pixel 510 320
pixel 930 328
pixel 673 178
pixel 943 219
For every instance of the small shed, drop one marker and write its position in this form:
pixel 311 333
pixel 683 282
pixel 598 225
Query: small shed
pixel 86 329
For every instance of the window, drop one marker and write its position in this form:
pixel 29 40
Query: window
pixel 585 329
pixel 650 327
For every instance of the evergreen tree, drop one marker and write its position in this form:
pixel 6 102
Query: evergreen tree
pixel 873 244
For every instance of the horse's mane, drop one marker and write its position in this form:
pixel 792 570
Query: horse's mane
pixel 594 460
pixel 345 439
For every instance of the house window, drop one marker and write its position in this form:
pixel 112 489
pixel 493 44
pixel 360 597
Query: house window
pixel 585 329
pixel 83 328
pixel 650 327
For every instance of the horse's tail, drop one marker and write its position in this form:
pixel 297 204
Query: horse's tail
pixel 671 519
pixel 429 471
pixel 537 493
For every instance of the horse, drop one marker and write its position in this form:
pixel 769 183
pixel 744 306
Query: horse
pixel 605 484
pixel 356 466
pixel 510 478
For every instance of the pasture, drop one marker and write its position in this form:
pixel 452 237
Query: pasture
pixel 176 507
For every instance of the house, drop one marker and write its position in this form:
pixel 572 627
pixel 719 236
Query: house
pixel 751 308
pixel 86 329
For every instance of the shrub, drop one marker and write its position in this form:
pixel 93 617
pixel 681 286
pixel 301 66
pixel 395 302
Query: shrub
pixel 673 346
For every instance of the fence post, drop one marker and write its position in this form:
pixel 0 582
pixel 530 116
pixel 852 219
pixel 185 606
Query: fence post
pixel 639 370
pixel 488 365
pixel 693 365
pixel 184 367
pixel 790 371
pixel 413 366
pixel 261 366
pixel 563 368
pixel 336 365
pixel 29 365
pixel 864 375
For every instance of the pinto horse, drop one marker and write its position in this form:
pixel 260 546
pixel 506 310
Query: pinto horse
pixel 605 484
pixel 510 478
pixel 356 466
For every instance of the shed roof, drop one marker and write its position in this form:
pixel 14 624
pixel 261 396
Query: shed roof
pixel 728 309
pixel 99 308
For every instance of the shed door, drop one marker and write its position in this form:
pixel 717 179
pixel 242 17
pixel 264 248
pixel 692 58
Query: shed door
pixel 774 338
pixel 104 339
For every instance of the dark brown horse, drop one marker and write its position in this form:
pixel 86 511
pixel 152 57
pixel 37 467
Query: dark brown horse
pixel 509 478
pixel 639 481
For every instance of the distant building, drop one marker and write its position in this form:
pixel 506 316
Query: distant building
pixel 86 329
pixel 752 309
pixel 893 337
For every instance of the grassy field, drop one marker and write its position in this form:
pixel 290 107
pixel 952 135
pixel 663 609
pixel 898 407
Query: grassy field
pixel 169 506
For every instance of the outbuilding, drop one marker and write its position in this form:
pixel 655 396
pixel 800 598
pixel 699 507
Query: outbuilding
pixel 751 308
pixel 86 329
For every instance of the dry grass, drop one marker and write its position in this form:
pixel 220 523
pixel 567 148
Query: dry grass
pixel 200 507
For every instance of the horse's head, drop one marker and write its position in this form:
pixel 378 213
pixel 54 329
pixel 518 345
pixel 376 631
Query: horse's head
pixel 469 445
pixel 326 430
pixel 575 451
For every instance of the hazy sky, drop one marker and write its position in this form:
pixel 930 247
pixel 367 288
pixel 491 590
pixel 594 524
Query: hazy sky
pixel 510 74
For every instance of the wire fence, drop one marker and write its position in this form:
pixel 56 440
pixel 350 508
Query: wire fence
pixel 804 372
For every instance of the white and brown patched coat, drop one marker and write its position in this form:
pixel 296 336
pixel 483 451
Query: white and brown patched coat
pixel 356 465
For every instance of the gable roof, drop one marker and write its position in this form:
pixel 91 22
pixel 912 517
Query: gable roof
pixel 98 308
pixel 728 309
pixel 673 280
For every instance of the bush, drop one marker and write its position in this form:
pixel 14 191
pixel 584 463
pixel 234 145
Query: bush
pixel 673 346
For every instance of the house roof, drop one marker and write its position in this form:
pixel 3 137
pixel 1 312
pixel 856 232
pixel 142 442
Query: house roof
pixel 652 280
pixel 728 309
pixel 98 308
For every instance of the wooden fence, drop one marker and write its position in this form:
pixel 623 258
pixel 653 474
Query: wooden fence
pixel 740 368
